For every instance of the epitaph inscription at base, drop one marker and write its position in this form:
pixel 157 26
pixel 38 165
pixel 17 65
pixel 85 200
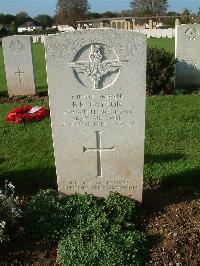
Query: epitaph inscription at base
pixel 188 56
pixel 96 82
pixel 19 65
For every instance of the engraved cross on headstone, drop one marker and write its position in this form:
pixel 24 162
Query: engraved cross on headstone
pixel 19 74
pixel 99 150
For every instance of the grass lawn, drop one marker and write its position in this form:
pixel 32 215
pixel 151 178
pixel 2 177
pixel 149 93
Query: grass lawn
pixel 167 44
pixel 171 151
pixel 40 65
pixel 26 154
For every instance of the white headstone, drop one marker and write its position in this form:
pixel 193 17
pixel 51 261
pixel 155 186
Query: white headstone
pixel 154 33
pixel 170 33
pixel 173 33
pixel 97 81
pixel 43 37
pixel 188 56
pixel 148 33
pixel 34 37
pixel 19 65
pixel 158 33
pixel 164 33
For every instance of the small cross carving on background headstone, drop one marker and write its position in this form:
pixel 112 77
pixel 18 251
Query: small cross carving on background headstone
pixel 98 149
pixel 19 72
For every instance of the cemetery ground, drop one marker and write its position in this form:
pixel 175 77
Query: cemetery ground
pixel 170 212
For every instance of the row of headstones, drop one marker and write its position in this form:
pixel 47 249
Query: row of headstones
pixel 96 85
pixel 19 64
pixel 38 38
pixel 155 33
pixel 158 33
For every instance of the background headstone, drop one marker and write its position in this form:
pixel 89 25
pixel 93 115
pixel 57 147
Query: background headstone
pixel 43 39
pixel 188 56
pixel 97 81
pixel 34 38
pixel 19 65
pixel 158 33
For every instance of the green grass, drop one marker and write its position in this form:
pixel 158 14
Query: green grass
pixel 40 64
pixel 26 154
pixel 167 44
pixel 172 140
pixel 40 67
pixel 171 151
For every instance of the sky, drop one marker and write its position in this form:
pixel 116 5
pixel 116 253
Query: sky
pixel 36 7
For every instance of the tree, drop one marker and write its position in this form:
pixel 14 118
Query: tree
pixel 13 27
pixel 109 14
pixel 22 17
pixel 149 7
pixel 6 19
pixel 185 19
pixel 69 11
pixel 94 15
pixel 125 13
pixel 44 20
pixel 170 22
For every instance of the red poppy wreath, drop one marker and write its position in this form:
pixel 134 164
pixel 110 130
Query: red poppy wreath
pixel 27 114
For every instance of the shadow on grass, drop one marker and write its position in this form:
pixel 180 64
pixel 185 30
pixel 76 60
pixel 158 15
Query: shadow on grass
pixel 191 177
pixel 42 91
pixel 2 160
pixel 28 182
pixel 149 158
pixel 173 189
pixel 3 94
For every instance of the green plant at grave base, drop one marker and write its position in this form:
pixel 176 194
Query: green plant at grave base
pixel 9 212
pixel 76 211
pixel 98 228
pixel 116 247
pixel 120 208
pixel 46 217
pixel 160 70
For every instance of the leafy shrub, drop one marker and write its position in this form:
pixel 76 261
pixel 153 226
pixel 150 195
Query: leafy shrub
pixel 120 208
pixel 91 230
pixel 116 247
pixel 86 210
pixel 50 217
pixel 46 217
pixel 160 69
pixel 9 212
